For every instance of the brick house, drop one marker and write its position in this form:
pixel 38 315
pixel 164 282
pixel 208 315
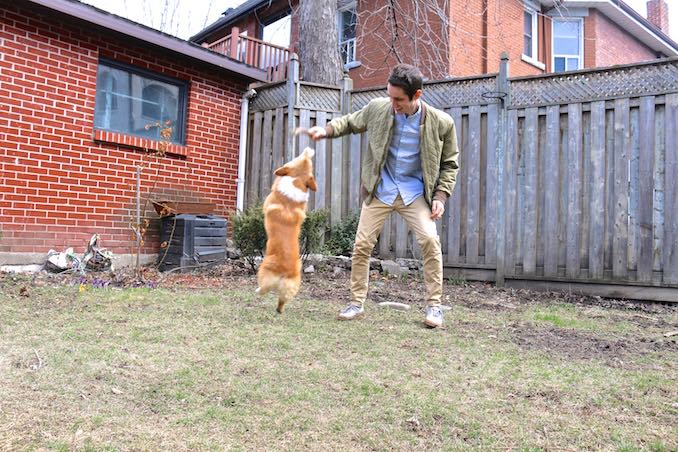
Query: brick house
pixel 540 35
pixel 81 93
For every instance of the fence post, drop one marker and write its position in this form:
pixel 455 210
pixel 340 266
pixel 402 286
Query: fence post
pixel 292 86
pixel 504 94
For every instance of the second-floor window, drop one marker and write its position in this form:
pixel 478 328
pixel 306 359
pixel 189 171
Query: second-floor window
pixel 530 33
pixel 568 52
pixel 138 102
pixel 347 19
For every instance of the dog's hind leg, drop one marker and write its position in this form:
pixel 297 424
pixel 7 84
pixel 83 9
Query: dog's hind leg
pixel 286 291
pixel 267 282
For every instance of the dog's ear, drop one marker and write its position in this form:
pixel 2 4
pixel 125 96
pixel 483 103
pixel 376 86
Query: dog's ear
pixel 310 183
pixel 282 171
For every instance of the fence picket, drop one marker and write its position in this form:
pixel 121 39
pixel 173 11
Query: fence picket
pixel 658 178
pixel 622 144
pixel 472 181
pixel 551 189
pixel 336 179
pixel 492 168
pixel 321 175
pixel 278 133
pixel 511 195
pixel 671 191
pixel 646 189
pixel 597 192
pixel 255 168
pixel 529 236
pixel 454 202
pixel 574 152
pixel 354 173
pixel 266 150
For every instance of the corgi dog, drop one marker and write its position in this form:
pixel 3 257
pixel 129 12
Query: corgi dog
pixel 284 212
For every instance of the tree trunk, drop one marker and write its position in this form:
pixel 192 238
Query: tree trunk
pixel 318 42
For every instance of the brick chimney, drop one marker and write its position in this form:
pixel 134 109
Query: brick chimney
pixel 658 14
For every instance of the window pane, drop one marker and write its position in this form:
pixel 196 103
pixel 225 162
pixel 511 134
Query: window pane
pixel 527 27
pixel 566 37
pixel 348 23
pixel 572 64
pixel 527 46
pixel 135 104
pixel 559 64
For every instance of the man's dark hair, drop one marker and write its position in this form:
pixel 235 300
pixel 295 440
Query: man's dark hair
pixel 407 77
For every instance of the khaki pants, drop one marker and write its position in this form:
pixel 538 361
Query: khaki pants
pixel 418 218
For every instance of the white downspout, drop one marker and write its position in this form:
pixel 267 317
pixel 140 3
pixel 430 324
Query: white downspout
pixel 242 152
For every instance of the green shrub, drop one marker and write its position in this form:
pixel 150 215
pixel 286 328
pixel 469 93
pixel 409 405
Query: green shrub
pixel 313 233
pixel 342 235
pixel 249 235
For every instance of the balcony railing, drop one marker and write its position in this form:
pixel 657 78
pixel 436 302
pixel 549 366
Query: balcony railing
pixel 254 52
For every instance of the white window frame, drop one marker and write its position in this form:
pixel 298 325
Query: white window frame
pixel 351 43
pixel 532 9
pixel 580 21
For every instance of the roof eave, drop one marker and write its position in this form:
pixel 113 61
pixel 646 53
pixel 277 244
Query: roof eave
pixel 118 24
pixel 630 20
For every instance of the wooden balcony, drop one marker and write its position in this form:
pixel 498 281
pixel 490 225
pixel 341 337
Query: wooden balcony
pixel 254 52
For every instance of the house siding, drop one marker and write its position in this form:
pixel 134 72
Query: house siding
pixel 479 32
pixel 607 44
pixel 58 185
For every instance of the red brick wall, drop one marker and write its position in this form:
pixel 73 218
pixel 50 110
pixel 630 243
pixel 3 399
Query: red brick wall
pixel 58 186
pixel 505 34
pixel 611 44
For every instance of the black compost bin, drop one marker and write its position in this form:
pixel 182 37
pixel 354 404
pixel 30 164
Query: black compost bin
pixel 192 241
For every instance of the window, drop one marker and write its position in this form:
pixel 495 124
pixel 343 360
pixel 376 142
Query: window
pixel 136 102
pixel 567 44
pixel 347 19
pixel 530 34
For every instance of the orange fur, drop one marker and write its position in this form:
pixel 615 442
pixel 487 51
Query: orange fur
pixel 280 270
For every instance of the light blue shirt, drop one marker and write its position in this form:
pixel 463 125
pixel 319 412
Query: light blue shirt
pixel 402 171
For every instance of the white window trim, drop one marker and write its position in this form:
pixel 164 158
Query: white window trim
pixel 536 63
pixel 534 59
pixel 353 63
pixel 581 42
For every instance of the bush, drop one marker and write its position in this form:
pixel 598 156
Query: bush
pixel 249 235
pixel 312 233
pixel 342 235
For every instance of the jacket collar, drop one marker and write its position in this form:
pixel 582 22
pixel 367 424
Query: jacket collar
pixel 422 107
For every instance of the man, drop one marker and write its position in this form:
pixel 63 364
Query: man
pixel 410 167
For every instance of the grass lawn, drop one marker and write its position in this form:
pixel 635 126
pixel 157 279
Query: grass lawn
pixel 206 366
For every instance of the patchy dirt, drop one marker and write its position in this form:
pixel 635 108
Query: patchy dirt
pixel 333 288
pixel 575 344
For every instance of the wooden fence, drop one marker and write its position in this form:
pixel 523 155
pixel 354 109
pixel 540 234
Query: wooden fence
pixel 567 181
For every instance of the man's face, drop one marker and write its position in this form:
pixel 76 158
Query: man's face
pixel 401 102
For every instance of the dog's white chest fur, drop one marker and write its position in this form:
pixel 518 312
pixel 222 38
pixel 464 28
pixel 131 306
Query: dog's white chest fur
pixel 286 188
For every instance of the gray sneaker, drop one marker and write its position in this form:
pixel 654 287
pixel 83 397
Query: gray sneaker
pixel 351 311
pixel 434 316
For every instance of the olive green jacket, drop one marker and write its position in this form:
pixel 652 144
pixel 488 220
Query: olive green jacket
pixel 437 145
